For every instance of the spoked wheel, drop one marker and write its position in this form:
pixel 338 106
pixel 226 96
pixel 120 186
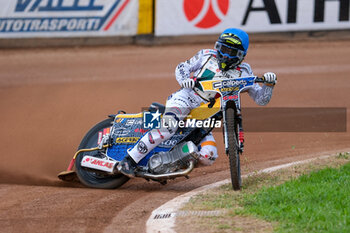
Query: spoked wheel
pixel 233 152
pixel 90 177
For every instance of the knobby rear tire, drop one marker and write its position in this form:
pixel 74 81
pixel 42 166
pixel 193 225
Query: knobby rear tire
pixel 233 152
pixel 88 177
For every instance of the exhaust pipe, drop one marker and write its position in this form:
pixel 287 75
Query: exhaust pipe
pixel 170 175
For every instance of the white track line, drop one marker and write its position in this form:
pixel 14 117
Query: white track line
pixel 163 218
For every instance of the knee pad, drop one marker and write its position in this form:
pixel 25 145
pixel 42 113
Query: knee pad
pixel 208 153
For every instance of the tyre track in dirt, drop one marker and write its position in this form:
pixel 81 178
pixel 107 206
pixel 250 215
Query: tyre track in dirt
pixel 49 98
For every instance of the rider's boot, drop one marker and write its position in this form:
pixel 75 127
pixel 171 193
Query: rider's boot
pixel 127 166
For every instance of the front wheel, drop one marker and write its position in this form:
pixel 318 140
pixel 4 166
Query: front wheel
pixel 233 152
pixel 89 177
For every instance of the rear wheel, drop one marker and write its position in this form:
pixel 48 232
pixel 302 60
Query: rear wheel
pixel 233 152
pixel 92 178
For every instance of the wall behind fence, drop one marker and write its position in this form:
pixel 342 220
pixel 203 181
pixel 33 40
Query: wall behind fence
pixel 68 18
pixel 81 22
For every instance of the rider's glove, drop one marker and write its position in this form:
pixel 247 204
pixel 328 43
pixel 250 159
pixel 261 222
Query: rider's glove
pixel 270 78
pixel 188 83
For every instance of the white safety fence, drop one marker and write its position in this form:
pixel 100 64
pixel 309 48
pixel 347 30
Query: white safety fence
pixel 68 18
pixel 194 17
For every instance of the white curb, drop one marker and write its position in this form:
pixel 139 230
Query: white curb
pixel 162 219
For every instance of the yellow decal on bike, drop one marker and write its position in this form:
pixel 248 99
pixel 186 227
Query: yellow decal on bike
pixel 137 115
pixel 203 112
pixel 127 140
pixel 210 85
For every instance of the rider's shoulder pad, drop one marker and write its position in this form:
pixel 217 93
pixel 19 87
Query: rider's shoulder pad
pixel 246 67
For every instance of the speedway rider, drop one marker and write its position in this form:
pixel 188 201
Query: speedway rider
pixel 230 50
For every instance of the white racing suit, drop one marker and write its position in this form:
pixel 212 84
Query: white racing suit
pixel 180 103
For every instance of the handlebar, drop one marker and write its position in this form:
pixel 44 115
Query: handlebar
pixel 257 80
pixel 212 100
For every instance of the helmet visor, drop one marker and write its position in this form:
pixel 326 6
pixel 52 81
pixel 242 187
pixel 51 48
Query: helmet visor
pixel 229 51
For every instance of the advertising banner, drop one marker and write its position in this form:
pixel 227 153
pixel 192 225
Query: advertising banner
pixel 191 17
pixel 67 18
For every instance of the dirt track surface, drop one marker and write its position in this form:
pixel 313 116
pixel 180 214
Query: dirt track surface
pixel 49 98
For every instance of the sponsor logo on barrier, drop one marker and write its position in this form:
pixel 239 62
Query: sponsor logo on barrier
pixel 205 13
pixel 176 17
pixel 61 15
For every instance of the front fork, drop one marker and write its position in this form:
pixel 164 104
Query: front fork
pixel 239 132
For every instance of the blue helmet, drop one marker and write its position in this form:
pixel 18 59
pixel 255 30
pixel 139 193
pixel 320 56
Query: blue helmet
pixel 232 46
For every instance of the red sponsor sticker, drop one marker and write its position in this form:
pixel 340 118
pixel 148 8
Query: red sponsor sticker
pixel 140 130
pixel 205 13
pixel 99 139
pixel 150 138
pixel 101 163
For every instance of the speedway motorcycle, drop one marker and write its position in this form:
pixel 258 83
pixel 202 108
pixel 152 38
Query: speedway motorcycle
pixel 106 144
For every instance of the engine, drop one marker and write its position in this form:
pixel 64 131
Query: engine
pixel 170 161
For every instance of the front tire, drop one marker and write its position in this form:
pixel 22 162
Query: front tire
pixel 233 152
pixel 92 178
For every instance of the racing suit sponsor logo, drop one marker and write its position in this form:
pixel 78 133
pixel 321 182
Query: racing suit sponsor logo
pixel 182 71
pixel 160 134
pixel 142 147
pixel 150 138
